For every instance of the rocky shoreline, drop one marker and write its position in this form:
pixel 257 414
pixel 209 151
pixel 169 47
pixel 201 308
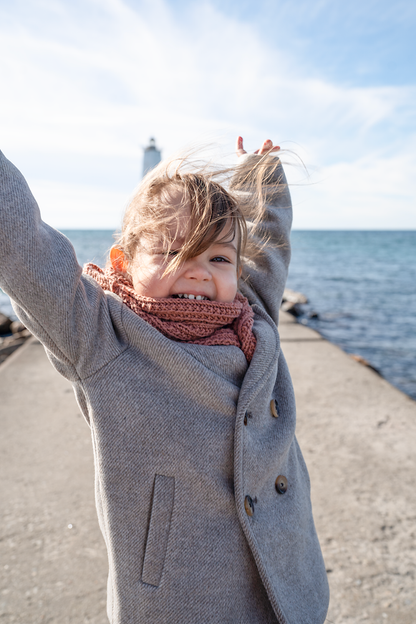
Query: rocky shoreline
pixel 13 334
pixel 292 303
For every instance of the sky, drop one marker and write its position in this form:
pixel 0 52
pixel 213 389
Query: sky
pixel 86 83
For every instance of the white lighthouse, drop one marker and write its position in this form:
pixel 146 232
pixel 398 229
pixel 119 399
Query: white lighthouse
pixel 151 156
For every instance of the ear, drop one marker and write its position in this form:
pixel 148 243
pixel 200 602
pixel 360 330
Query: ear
pixel 118 260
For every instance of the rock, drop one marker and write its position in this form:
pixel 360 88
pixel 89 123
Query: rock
pixel 16 327
pixel 291 308
pixel 292 301
pixel 364 362
pixel 25 333
pixel 9 344
pixel 294 297
pixel 5 323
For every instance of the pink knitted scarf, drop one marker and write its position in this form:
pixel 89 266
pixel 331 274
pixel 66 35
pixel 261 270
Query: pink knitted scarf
pixel 198 322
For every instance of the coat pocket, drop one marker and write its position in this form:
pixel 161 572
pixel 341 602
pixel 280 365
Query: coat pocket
pixel 158 534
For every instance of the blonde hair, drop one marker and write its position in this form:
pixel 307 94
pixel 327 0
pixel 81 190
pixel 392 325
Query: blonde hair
pixel 215 197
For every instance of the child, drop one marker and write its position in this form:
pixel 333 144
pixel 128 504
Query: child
pixel 202 493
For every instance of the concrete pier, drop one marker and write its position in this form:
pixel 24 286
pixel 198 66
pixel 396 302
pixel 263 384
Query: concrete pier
pixel 358 435
pixel 53 561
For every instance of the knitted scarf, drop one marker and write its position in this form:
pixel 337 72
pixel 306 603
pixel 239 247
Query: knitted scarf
pixel 186 320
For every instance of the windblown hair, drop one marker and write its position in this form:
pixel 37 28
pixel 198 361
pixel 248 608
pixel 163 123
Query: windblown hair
pixel 224 204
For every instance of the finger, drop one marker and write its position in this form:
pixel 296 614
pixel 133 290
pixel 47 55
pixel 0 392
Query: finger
pixel 276 148
pixel 240 147
pixel 266 147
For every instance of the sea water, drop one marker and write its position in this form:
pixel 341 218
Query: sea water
pixel 361 288
pixel 89 245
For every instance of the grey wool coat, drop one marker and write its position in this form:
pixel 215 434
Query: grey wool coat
pixel 202 494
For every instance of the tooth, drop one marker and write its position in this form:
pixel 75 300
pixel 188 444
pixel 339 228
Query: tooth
pixel 199 297
pixel 185 296
pixel 180 296
pixel 191 296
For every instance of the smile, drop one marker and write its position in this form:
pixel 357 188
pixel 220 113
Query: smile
pixel 197 297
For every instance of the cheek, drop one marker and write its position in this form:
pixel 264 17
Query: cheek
pixel 144 270
pixel 147 276
pixel 227 285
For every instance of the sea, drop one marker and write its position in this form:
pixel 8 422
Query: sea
pixel 360 285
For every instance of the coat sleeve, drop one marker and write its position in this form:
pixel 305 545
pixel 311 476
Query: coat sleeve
pixel 264 277
pixel 66 310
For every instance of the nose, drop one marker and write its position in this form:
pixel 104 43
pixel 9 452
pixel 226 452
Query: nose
pixel 197 269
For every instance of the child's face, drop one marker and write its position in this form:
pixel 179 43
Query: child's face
pixel 211 275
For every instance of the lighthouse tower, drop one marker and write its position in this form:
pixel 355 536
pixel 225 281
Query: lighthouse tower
pixel 151 156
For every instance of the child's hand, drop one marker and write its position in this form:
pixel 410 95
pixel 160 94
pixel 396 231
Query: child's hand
pixel 265 148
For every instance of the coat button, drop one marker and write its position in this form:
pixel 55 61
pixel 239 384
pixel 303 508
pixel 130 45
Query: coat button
pixel 249 506
pixel 273 408
pixel 281 484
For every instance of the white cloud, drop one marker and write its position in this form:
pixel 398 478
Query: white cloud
pixel 65 206
pixel 86 84
pixel 371 193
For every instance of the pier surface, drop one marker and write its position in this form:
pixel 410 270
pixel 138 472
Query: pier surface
pixel 358 436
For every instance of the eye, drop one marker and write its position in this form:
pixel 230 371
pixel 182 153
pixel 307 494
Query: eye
pixel 168 255
pixel 220 259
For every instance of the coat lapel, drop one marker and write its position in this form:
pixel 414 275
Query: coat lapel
pixel 264 362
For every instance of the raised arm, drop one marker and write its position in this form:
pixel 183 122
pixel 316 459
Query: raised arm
pixel 263 279
pixel 68 312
